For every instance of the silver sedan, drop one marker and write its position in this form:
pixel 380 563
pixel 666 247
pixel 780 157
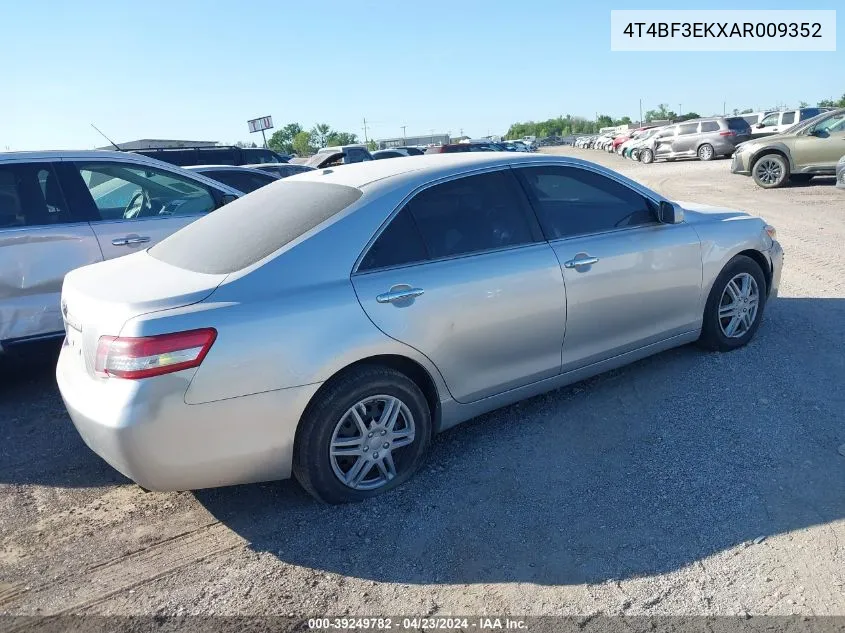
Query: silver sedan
pixel 327 325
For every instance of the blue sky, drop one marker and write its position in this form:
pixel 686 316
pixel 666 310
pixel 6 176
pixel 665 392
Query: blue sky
pixel 199 70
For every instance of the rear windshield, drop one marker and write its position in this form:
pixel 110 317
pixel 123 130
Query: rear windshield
pixel 738 123
pixel 253 227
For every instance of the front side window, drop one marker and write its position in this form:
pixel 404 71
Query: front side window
pixel 571 201
pixel 831 125
pixel 122 191
pixel 471 214
pixel 30 196
pixel 771 119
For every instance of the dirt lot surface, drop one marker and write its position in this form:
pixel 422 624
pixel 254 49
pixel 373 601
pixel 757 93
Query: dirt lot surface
pixel 688 483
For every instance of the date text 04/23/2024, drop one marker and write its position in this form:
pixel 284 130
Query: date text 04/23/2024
pixel 416 623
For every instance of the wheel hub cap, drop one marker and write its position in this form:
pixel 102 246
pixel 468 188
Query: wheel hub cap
pixel 738 305
pixel 366 446
pixel 768 171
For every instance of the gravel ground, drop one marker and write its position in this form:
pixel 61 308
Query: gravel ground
pixel 688 483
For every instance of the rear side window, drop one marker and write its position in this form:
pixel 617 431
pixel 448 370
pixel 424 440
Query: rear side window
pixel 400 243
pixel 687 128
pixel 572 201
pixel 471 214
pixel 30 195
pixel 788 118
pixel 251 228
pixel 709 126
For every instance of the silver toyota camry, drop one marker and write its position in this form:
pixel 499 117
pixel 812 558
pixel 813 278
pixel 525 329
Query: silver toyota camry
pixel 327 325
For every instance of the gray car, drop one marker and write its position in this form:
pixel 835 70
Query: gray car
pixel 63 209
pixel 840 173
pixel 704 139
pixel 329 324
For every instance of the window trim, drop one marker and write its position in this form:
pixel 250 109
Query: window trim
pixel 638 189
pixel 537 236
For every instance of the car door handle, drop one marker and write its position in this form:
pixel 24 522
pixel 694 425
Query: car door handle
pixel 582 261
pixel 125 241
pixel 398 295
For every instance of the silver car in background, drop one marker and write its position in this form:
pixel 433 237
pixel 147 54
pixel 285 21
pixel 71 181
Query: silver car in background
pixel 329 324
pixel 63 209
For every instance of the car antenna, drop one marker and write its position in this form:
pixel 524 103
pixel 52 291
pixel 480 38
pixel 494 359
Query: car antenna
pixel 107 138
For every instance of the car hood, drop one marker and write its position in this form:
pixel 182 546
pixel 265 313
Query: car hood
pixel 695 212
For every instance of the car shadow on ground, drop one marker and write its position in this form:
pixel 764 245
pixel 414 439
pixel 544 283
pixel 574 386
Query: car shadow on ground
pixel 637 472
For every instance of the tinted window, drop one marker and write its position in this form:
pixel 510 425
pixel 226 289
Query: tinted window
pixel 123 191
pixel 809 113
pixel 30 196
pixel 217 156
pixel 687 128
pixel 255 156
pixel 400 243
pixel 413 151
pixel 355 155
pixel 740 123
pixel 180 157
pixel 471 214
pixel 381 155
pixel 751 119
pixel 788 118
pixel 460 147
pixel 709 126
pixel 251 228
pixel 241 180
pixel 572 201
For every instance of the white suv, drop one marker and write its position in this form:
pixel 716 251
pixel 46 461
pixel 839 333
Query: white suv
pixel 777 122
pixel 64 209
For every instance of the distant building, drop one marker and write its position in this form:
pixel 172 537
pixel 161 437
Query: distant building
pixel 430 139
pixel 155 143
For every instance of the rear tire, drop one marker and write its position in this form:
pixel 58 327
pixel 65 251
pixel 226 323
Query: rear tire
pixel 770 171
pixel 647 156
pixel 347 418
pixel 731 319
pixel 706 152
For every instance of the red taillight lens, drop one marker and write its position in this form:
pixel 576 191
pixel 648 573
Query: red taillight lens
pixel 727 133
pixel 147 356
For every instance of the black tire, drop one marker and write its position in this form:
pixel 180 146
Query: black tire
pixel 800 178
pixel 646 156
pixel 312 465
pixel 706 152
pixel 777 166
pixel 712 335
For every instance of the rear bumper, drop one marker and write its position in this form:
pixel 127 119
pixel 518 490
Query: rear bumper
pixel 145 430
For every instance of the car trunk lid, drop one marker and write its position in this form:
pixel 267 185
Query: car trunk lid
pixel 97 300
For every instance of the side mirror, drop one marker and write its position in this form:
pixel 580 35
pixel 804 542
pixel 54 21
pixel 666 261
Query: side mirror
pixel 759 125
pixel 226 198
pixel 668 213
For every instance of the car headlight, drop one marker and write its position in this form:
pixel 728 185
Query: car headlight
pixel 771 231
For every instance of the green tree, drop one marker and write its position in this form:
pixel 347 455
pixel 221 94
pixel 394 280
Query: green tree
pixel 372 145
pixel 661 113
pixel 832 103
pixel 604 121
pixel 687 116
pixel 320 134
pixel 282 139
pixel 302 144
pixel 341 138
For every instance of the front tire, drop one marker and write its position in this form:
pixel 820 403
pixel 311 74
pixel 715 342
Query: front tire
pixel 368 433
pixel 647 156
pixel 735 305
pixel 770 171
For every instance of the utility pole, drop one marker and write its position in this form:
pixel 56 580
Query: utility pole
pixel 680 110
pixel 641 112
pixel 724 108
pixel 431 135
pixel 366 140
pixel 403 134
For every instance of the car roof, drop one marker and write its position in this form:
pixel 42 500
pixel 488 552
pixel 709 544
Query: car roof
pixel 380 173
pixel 75 154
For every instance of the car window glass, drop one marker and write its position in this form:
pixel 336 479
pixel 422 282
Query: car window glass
pixel 257 156
pixel 240 180
pixel 709 126
pixel 809 113
pixel 832 124
pixel 771 119
pixel 122 191
pixel 573 201
pixel 687 128
pixel 788 118
pixel 471 214
pixel 30 195
pixel 217 156
pixel 400 243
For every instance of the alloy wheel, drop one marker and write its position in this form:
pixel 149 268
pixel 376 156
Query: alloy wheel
pixel 738 305
pixel 366 445
pixel 768 171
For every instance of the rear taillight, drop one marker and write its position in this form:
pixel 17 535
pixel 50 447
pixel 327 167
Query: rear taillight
pixel 727 133
pixel 147 356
